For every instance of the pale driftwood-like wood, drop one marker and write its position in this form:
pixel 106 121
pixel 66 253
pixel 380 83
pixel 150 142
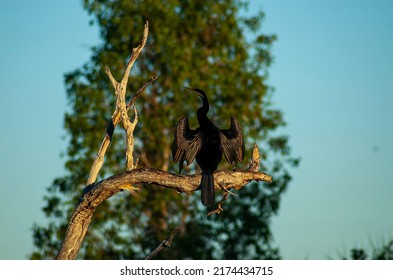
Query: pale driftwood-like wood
pixel 120 113
pixel 115 120
pixel 95 194
pixel 255 159
pixel 81 218
pixel 120 91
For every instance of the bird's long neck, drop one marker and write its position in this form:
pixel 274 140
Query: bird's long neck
pixel 202 114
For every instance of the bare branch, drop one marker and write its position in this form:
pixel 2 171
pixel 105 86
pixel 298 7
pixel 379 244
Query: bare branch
pixel 111 78
pixel 120 113
pixel 164 244
pixel 219 208
pixel 115 119
pixel 120 89
pixel 95 194
pixel 132 101
pixel 135 53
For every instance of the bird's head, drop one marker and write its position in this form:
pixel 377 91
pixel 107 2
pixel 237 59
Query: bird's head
pixel 200 92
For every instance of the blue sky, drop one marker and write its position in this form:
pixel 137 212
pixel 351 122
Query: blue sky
pixel 332 76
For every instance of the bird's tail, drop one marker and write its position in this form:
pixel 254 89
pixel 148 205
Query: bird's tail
pixel 207 189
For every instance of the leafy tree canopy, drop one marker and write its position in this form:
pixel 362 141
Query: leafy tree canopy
pixel 206 44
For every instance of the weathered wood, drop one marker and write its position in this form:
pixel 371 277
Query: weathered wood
pixel 120 113
pixel 95 194
pixel 115 120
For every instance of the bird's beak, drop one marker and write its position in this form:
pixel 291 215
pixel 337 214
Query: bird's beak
pixel 194 91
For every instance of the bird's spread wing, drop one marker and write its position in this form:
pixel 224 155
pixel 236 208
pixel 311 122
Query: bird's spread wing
pixel 186 144
pixel 232 142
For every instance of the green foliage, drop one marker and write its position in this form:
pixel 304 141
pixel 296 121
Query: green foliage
pixel 191 43
pixel 381 252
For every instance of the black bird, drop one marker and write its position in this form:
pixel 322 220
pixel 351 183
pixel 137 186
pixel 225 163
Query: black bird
pixel 207 143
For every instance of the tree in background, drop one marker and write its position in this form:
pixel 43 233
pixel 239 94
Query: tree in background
pixel 208 45
pixel 383 251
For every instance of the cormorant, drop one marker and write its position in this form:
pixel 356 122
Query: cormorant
pixel 206 144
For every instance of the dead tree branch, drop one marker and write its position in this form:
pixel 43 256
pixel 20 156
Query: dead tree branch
pixel 95 194
pixel 115 120
pixel 117 116
pixel 164 244
pixel 121 107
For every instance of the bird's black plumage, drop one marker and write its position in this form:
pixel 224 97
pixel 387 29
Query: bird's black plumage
pixel 207 143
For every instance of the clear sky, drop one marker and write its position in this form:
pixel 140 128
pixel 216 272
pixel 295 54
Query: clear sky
pixel 333 80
